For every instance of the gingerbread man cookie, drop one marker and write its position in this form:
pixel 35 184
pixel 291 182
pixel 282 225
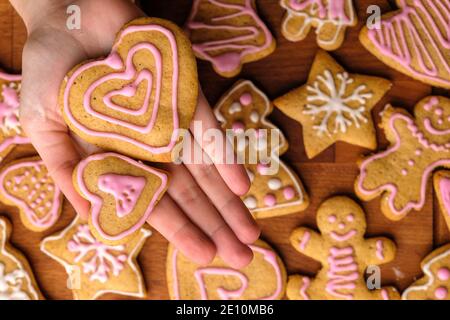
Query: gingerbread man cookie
pixel 11 132
pixel 244 109
pixel 344 254
pixel 95 268
pixel 16 277
pixel 418 147
pixel 334 106
pixel 26 184
pixel 435 285
pixel 442 188
pixel 263 279
pixel 122 193
pixel 228 33
pixel 331 18
pixel 414 40
pixel 137 100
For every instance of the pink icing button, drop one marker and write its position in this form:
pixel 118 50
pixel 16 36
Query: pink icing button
pixel 238 126
pixel 350 217
pixel 246 99
pixel 441 293
pixel 270 200
pixel 288 193
pixel 443 274
pixel 262 168
pixel 439 112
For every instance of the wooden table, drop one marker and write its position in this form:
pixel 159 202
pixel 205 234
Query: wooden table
pixel 331 173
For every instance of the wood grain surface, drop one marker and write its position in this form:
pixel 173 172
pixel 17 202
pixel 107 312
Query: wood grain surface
pixel 331 173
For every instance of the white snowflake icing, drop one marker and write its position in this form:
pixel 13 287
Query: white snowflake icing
pixel 335 101
pixel 98 259
pixel 11 284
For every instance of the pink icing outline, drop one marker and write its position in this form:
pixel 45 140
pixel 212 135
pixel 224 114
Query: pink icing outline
pixel 306 283
pixel 96 201
pixel 444 189
pixel 112 62
pixel 50 218
pixel 269 256
pixel 223 293
pixel 390 187
pixel 379 252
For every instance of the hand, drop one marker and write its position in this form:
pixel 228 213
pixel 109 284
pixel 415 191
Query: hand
pixel 201 213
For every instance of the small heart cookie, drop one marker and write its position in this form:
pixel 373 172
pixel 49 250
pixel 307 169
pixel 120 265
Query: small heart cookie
pixel 137 100
pixel 122 193
pixel 27 185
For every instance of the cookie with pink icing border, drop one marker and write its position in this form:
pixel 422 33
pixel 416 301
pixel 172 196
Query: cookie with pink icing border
pixel 136 100
pixel 26 184
pixel 330 18
pixel 414 40
pixel 435 284
pixel 344 254
pixel 16 276
pixel 11 132
pixel 228 33
pixel 442 188
pixel 418 146
pixel 263 279
pixel 95 268
pixel 122 193
pixel 244 110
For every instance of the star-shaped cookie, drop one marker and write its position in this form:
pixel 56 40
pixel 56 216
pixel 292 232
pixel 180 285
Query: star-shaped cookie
pixel 95 268
pixel 334 106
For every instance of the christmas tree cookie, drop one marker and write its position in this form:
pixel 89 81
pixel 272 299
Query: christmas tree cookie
pixel 275 188
pixel 334 106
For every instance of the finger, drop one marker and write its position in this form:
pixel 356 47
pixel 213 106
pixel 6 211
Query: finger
pixel 171 222
pixel 230 206
pixel 191 199
pixel 233 174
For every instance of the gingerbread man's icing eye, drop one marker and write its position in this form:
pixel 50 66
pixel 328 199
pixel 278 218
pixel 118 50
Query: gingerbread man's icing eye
pixel 332 218
pixel 351 217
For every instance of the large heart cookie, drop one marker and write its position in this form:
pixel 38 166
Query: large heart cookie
pixel 122 193
pixel 137 99
pixel 414 40
pixel 263 279
pixel 27 185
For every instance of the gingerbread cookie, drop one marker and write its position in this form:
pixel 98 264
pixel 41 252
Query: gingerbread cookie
pixel 334 106
pixel 418 147
pixel 26 184
pixel 95 268
pixel 263 279
pixel 122 193
pixel 435 285
pixel 228 33
pixel 11 132
pixel 244 109
pixel 442 188
pixel 16 277
pixel 414 40
pixel 137 100
pixel 331 18
pixel 344 254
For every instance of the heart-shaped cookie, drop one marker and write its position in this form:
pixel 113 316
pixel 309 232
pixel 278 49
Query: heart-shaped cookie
pixel 27 185
pixel 122 193
pixel 136 100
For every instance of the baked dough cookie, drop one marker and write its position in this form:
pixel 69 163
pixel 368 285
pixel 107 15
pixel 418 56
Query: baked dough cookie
pixel 11 132
pixel 344 254
pixel 442 189
pixel 334 106
pixel 435 284
pixel 414 40
pixel 137 100
pixel 95 268
pixel 122 193
pixel 26 184
pixel 244 110
pixel 263 279
pixel 228 33
pixel 331 18
pixel 16 277
pixel 418 147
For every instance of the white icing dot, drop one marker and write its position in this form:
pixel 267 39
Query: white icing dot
pixel 235 107
pixel 254 117
pixel 274 184
pixel 250 202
